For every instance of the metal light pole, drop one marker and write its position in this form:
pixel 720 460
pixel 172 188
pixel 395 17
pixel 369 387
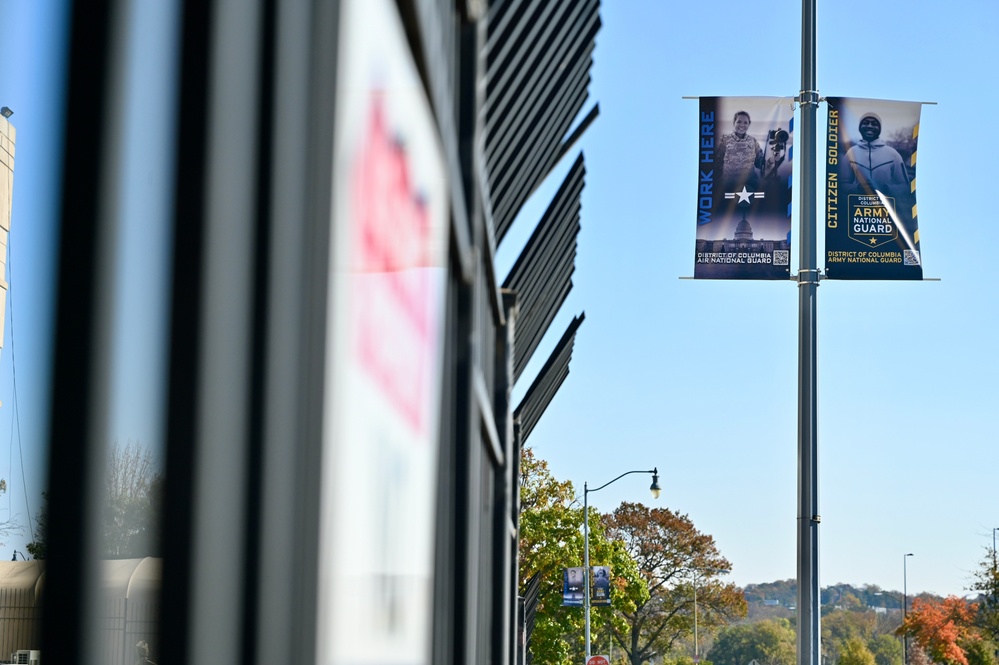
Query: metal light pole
pixel 654 488
pixel 905 606
pixel 808 283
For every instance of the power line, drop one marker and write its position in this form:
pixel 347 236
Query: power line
pixel 17 412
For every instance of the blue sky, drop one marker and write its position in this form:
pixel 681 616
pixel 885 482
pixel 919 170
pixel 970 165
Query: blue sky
pixel 697 378
pixel 700 378
pixel 31 83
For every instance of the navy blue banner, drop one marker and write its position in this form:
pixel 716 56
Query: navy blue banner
pixel 601 586
pixel 572 587
pixel 871 230
pixel 744 188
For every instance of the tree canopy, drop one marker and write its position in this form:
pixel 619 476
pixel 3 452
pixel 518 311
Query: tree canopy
pixel 132 493
pixel 676 561
pixel 551 540
pixel 769 642
pixel 986 582
pixel 942 629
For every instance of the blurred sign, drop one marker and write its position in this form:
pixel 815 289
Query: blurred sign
pixel 384 350
pixel 598 660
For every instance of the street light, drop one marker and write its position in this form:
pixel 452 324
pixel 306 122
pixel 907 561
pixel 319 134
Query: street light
pixel 654 488
pixel 722 571
pixel 905 607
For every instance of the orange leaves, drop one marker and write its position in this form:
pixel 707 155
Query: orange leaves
pixel 940 628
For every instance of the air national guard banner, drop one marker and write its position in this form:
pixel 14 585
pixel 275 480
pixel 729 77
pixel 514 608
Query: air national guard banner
pixel 744 188
pixel 870 207
pixel 572 587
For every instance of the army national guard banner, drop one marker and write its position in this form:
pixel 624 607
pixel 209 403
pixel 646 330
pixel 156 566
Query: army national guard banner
pixel 744 188
pixel 600 594
pixel 871 230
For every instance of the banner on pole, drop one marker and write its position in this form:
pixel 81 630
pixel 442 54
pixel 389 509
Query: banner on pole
pixel 572 587
pixel 600 595
pixel 744 188
pixel 871 230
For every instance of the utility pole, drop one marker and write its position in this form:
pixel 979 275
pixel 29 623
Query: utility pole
pixel 808 283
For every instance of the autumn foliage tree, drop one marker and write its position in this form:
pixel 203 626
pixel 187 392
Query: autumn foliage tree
pixel 673 557
pixel 944 630
pixel 551 540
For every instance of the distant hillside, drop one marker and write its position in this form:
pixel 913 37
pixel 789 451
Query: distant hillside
pixel 779 598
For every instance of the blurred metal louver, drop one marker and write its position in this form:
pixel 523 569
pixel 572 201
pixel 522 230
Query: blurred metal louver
pixel 538 59
pixel 532 593
pixel 541 277
pixel 548 381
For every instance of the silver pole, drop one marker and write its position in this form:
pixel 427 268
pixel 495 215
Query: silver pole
pixel 696 658
pixel 905 606
pixel 586 565
pixel 808 282
pixel 586 538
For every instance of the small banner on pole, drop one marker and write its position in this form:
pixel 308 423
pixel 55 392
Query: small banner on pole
pixel 572 587
pixel 871 230
pixel 744 188
pixel 601 586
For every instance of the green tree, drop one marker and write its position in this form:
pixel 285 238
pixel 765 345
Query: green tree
pixel 551 540
pixel 887 649
pixel 979 652
pixel 770 642
pixel 673 557
pixel 854 651
pixel 986 582
pixel 839 626
pixel 132 495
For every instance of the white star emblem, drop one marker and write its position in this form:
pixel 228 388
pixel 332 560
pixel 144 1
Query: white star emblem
pixel 744 195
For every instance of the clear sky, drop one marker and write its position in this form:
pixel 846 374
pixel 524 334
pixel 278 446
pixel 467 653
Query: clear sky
pixel 31 61
pixel 699 378
pixel 31 83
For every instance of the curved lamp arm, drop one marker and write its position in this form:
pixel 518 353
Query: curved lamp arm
pixel 586 540
pixel 655 480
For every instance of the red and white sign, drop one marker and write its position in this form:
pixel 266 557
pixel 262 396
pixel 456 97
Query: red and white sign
pixel 598 660
pixel 387 287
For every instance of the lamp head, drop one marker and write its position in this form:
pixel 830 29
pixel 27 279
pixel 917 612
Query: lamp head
pixel 654 488
pixel 6 112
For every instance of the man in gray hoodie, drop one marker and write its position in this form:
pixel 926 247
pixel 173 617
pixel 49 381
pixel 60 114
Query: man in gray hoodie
pixel 875 165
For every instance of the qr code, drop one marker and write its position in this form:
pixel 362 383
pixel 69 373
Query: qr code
pixel 781 257
pixel 910 257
